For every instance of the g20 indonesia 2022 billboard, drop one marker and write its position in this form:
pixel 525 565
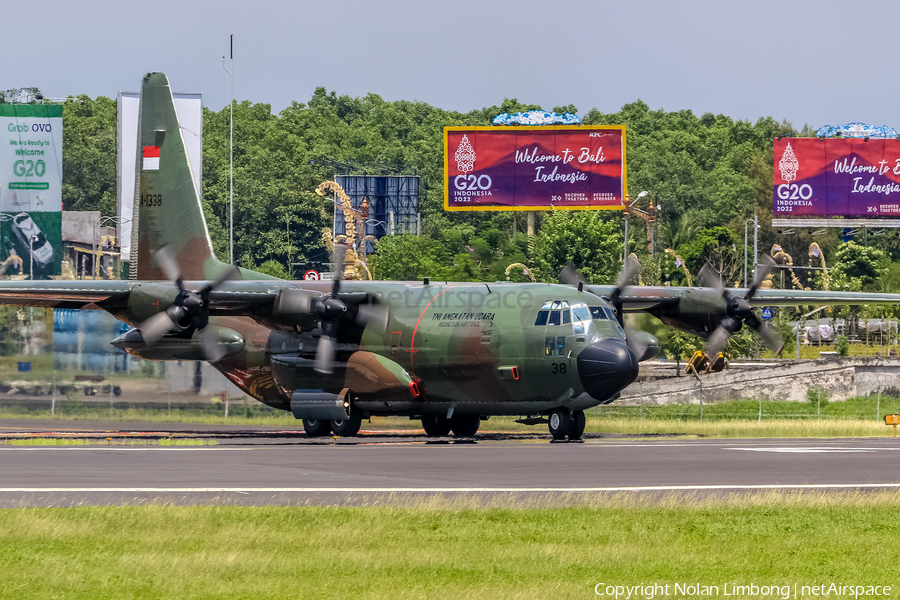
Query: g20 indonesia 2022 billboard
pixel 534 168
pixel 837 176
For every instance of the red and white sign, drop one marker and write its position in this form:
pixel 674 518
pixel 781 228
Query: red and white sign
pixel 312 275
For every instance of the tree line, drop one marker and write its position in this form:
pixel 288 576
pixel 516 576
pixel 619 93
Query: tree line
pixel 708 175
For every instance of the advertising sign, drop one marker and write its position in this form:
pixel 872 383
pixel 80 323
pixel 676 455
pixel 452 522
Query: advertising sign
pixel 837 176
pixel 30 189
pixel 578 167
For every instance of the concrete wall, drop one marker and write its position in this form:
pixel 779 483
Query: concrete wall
pixel 840 378
pixel 78 226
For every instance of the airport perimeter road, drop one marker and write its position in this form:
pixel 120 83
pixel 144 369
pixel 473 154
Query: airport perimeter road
pixel 325 473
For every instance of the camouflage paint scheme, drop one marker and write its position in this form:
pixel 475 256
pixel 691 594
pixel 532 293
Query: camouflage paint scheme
pixel 461 348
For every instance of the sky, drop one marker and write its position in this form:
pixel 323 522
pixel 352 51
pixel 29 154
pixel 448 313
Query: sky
pixel 820 62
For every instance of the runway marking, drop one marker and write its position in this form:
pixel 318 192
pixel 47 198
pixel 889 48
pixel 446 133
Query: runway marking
pixel 518 490
pixel 117 449
pixel 813 449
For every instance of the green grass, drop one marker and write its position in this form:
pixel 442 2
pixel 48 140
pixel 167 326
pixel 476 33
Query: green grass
pixel 448 549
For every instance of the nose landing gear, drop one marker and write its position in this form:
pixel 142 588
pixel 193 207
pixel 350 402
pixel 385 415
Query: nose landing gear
pixel 565 423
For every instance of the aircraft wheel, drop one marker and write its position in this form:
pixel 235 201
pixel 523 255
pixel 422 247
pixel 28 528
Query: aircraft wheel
pixel 436 426
pixel 316 427
pixel 577 425
pixel 350 427
pixel 465 425
pixel 560 423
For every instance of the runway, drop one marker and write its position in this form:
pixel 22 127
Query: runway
pixel 271 466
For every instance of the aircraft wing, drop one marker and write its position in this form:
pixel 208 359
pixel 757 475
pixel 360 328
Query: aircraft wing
pixel 64 294
pixel 648 298
pixel 232 298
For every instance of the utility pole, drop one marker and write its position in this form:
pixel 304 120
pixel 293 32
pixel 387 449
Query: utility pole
pixel 230 157
pixel 755 242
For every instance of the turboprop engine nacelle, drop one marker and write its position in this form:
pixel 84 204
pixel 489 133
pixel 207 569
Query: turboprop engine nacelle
pixel 174 347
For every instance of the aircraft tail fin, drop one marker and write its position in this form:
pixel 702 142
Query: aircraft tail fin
pixel 167 208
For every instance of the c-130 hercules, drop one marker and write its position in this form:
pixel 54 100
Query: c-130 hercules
pixel 334 353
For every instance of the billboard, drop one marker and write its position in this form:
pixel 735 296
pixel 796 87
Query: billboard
pixel 578 167
pixel 837 177
pixel 189 107
pixel 31 189
pixel 393 204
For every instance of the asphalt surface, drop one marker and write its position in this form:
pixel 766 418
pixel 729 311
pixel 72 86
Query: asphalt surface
pixel 268 465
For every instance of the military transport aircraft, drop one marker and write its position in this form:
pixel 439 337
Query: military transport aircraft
pixel 334 353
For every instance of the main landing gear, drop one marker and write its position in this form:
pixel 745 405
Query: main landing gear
pixel 347 428
pixel 461 425
pixel 562 423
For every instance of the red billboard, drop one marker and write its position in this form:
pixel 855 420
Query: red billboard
pixel 837 176
pixel 578 167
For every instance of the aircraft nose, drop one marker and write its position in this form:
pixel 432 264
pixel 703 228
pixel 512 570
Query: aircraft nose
pixel 606 368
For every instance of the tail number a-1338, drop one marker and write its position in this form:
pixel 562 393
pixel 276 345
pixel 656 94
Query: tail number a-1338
pixel 151 199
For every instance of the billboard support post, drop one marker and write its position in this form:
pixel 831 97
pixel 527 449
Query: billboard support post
pixel 530 223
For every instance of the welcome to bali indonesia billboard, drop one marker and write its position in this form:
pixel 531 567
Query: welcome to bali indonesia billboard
pixel 578 167
pixel 837 176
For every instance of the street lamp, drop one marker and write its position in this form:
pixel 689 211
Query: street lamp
pixel 655 219
pixel 745 250
pixel 627 213
pixel 102 222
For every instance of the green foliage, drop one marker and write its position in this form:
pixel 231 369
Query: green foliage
pixel 590 243
pixel 705 244
pixel 867 264
pixel 706 173
pixel 680 346
pixel 817 395
pixel 273 268
pixel 842 345
pixel 744 343
pixel 404 258
pixel 782 326
pixel 89 155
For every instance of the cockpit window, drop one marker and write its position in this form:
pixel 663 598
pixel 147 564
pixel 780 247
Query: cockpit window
pixel 542 317
pixel 567 317
pixel 546 305
pixel 554 317
pixel 580 312
pixel 557 304
pixel 598 313
pixel 610 313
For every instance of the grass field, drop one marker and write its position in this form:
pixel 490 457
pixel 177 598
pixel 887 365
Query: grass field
pixel 450 549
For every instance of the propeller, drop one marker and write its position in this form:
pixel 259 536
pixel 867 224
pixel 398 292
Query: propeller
pixel 738 310
pixel 190 308
pixel 635 339
pixel 332 310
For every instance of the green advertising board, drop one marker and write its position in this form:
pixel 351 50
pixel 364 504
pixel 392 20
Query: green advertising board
pixel 31 188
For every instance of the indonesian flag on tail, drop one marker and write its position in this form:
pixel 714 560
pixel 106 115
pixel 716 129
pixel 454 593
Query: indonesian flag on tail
pixel 151 158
